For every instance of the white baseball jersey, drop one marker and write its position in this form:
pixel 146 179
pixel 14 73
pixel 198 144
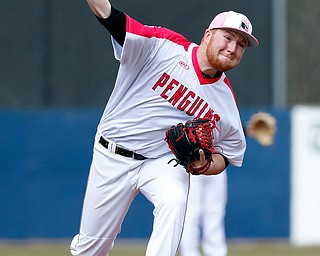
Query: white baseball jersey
pixel 160 84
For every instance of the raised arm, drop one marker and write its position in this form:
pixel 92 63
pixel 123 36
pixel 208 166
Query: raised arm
pixel 101 8
pixel 112 19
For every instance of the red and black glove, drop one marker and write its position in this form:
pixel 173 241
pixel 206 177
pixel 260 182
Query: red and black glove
pixel 185 141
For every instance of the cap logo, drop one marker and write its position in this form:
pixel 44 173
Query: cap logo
pixel 244 25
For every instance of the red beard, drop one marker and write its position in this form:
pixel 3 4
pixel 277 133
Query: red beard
pixel 219 65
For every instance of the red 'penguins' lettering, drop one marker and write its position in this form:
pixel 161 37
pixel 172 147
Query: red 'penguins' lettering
pixel 169 87
pixel 196 104
pixel 162 81
pixel 176 93
pixel 185 102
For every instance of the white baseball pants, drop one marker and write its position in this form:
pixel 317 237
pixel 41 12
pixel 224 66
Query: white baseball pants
pixel 113 183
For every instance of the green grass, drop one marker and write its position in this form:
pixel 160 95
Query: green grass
pixel 138 249
pixel 271 249
pixel 33 249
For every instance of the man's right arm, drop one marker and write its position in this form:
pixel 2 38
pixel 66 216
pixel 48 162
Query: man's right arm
pixel 101 8
pixel 112 19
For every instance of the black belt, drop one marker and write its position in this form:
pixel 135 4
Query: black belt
pixel 122 151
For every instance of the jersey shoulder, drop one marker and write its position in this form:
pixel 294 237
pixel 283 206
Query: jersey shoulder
pixel 149 31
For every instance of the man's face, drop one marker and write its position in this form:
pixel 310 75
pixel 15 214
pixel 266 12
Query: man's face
pixel 225 49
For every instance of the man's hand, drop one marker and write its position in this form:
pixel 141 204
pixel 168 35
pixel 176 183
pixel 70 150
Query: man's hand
pixel 217 165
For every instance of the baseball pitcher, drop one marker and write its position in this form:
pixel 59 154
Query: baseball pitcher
pixel 172 113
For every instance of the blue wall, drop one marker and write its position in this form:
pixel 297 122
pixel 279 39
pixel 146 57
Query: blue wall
pixel 45 156
pixel 259 191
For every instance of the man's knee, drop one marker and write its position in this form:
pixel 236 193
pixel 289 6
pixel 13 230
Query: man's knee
pixel 86 246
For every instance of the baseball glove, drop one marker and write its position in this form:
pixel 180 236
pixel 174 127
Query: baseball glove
pixel 185 141
pixel 262 127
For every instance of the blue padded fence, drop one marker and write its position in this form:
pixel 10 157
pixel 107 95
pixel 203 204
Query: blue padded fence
pixel 46 155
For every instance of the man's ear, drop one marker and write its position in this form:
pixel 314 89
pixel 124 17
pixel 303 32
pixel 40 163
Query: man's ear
pixel 207 36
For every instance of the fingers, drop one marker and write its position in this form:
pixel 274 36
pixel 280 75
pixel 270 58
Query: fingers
pixel 202 157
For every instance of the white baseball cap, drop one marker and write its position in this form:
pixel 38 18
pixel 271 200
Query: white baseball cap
pixel 237 22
